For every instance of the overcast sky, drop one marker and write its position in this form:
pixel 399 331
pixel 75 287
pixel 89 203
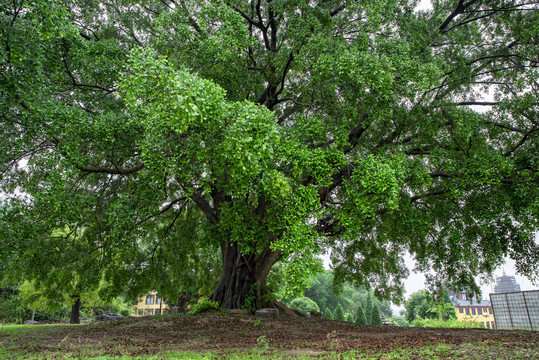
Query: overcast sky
pixel 416 282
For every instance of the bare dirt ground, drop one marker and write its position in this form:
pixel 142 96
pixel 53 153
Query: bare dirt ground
pixel 225 333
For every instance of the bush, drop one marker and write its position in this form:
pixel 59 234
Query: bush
pixel 452 323
pixel 12 311
pixel 304 304
pixel 205 306
pixel 54 315
pixel 400 321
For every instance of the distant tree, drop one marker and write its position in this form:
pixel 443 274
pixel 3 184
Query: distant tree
pixel 444 306
pixel 368 308
pixel 360 316
pixel 424 305
pixel 328 314
pixel 349 317
pixel 417 306
pixel 304 304
pixel 321 291
pixel 376 317
pixel 338 314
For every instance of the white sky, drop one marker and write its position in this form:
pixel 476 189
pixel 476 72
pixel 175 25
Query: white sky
pixel 416 281
pixel 424 4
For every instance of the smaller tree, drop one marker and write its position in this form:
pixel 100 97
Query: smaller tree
pixel 338 314
pixel 417 306
pixel 360 316
pixel 328 314
pixel 376 317
pixel 349 317
pixel 368 308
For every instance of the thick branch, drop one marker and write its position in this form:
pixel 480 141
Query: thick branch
pixel 356 132
pixel 205 207
pixel 520 143
pixel 429 194
pixel 461 6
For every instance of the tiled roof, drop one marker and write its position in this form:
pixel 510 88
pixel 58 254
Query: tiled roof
pixel 459 303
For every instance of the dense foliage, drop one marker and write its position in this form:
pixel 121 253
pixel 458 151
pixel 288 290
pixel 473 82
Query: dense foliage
pixel 422 305
pixel 147 144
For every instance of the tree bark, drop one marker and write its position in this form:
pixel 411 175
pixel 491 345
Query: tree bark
pixel 239 274
pixel 75 310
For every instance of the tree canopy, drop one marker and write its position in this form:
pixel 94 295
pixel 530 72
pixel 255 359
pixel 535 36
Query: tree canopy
pixel 138 139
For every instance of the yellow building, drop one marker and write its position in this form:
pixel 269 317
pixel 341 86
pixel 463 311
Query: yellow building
pixel 480 312
pixel 150 305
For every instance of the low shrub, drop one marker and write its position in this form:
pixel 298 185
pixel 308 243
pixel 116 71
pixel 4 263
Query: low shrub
pixel 452 323
pixel 304 304
pixel 205 306
pixel 400 321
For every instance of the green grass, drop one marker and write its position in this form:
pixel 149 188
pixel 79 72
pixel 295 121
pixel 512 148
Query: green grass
pixel 440 351
pixel 26 327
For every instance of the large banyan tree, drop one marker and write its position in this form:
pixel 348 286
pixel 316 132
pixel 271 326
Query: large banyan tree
pixel 137 138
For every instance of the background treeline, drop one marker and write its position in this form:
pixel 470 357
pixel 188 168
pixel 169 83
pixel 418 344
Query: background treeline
pixel 346 304
pixel 21 303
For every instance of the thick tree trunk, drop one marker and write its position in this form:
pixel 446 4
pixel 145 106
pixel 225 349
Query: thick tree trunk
pixel 75 310
pixel 240 273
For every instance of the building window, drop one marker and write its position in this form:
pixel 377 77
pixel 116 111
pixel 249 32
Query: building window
pixel 479 311
pixel 157 312
pixel 150 299
pixel 492 324
pixel 473 311
pixel 487 325
pixel 467 311
pixel 158 301
pixel 150 311
pixel 461 310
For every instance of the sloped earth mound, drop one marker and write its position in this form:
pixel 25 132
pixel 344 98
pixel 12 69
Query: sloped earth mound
pixel 223 333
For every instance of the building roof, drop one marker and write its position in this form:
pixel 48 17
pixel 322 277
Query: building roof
pixel 462 303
